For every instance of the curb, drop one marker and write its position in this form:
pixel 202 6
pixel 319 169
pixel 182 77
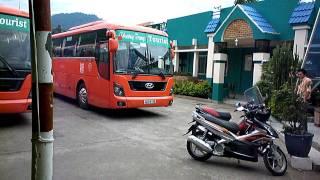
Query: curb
pixel 194 98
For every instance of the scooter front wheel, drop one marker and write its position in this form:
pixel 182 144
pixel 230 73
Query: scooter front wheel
pixel 196 153
pixel 275 161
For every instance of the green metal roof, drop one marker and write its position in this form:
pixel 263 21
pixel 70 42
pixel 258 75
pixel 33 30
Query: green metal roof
pixel 184 29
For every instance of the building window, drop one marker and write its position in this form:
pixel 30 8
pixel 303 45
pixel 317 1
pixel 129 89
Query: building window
pixel 202 63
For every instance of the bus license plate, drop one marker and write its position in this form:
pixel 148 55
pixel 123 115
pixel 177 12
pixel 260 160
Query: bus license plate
pixel 149 101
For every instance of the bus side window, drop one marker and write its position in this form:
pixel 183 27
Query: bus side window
pixel 87 45
pixel 103 60
pixel 57 50
pixel 69 49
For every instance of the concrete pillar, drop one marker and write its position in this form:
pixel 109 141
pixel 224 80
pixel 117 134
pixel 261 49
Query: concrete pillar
pixel 195 64
pixel 176 57
pixel 300 40
pixel 219 60
pixel 209 73
pixel 258 60
pixel 195 59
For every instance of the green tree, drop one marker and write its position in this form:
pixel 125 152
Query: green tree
pixel 244 1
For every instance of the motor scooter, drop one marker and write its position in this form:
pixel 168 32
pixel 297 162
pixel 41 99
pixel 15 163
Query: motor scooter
pixel 213 134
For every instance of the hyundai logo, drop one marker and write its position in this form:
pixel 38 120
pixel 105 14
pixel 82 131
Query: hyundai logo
pixel 149 85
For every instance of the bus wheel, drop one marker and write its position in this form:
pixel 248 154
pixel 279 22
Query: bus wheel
pixel 83 96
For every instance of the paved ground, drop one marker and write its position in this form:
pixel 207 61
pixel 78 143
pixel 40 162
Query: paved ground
pixel 133 144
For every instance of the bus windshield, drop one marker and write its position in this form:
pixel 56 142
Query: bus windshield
pixel 143 53
pixel 15 43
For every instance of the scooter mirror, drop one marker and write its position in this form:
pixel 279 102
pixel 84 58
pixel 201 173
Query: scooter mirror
pixel 238 104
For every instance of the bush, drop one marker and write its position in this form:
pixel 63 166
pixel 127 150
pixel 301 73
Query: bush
pixel 287 106
pixel 192 88
pixel 278 84
pixel 277 71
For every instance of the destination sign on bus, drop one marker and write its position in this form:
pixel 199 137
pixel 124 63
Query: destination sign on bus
pixel 144 38
pixel 14 23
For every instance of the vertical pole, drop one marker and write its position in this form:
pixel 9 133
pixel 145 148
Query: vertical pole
pixel 258 60
pixel 176 56
pixel 42 90
pixel 195 64
pixel 220 61
pixel 195 58
pixel 209 73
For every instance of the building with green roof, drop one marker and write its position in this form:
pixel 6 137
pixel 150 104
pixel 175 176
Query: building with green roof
pixel 229 47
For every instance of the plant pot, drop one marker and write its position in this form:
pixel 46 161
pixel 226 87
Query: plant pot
pixel 298 145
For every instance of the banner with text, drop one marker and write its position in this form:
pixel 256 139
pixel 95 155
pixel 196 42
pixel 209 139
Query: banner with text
pixel 139 37
pixel 14 23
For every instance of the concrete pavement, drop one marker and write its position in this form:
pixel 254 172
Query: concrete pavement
pixel 131 144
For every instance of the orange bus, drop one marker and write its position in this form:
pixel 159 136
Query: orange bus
pixel 15 61
pixel 113 66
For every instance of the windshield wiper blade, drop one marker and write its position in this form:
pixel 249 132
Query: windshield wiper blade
pixel 162 75
pixel 9 67
pixel 134 74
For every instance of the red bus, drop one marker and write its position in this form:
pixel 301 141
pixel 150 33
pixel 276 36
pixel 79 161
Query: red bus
pixel 15 61
pixel 113 66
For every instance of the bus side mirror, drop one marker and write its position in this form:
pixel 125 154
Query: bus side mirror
pixel 113 45
pixel 113 42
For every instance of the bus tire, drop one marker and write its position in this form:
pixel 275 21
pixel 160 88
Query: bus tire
pixel 82 96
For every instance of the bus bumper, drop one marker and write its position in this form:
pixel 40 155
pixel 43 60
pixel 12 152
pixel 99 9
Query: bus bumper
pixel 15 106
pixel 136 102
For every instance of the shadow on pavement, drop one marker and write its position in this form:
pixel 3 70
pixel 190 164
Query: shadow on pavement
pixel 233 165
pixel 126 113
pixel 114 113
pixel 11 120
pixel 65 99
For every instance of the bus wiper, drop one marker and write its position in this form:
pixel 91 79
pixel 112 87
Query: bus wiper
pixel 9 67
pixel 134 74
pixel 161 74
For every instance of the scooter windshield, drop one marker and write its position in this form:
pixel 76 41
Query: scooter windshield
pixel 254 96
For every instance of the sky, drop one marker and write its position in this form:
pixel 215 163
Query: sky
pixel 129 11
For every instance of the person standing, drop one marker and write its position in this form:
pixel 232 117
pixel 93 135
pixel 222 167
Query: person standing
pixel 303 88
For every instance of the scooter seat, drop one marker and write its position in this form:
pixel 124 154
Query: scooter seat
pixel 231 126
pixel 218 114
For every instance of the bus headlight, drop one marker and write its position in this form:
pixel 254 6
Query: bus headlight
pixel 171 91
pixel 118 89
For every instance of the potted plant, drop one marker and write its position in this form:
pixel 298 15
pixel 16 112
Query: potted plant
pixel 293 114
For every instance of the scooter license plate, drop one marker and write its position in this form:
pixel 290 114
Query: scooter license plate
pixel 149 101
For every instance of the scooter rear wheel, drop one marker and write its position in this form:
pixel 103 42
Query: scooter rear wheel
pixel 196 153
